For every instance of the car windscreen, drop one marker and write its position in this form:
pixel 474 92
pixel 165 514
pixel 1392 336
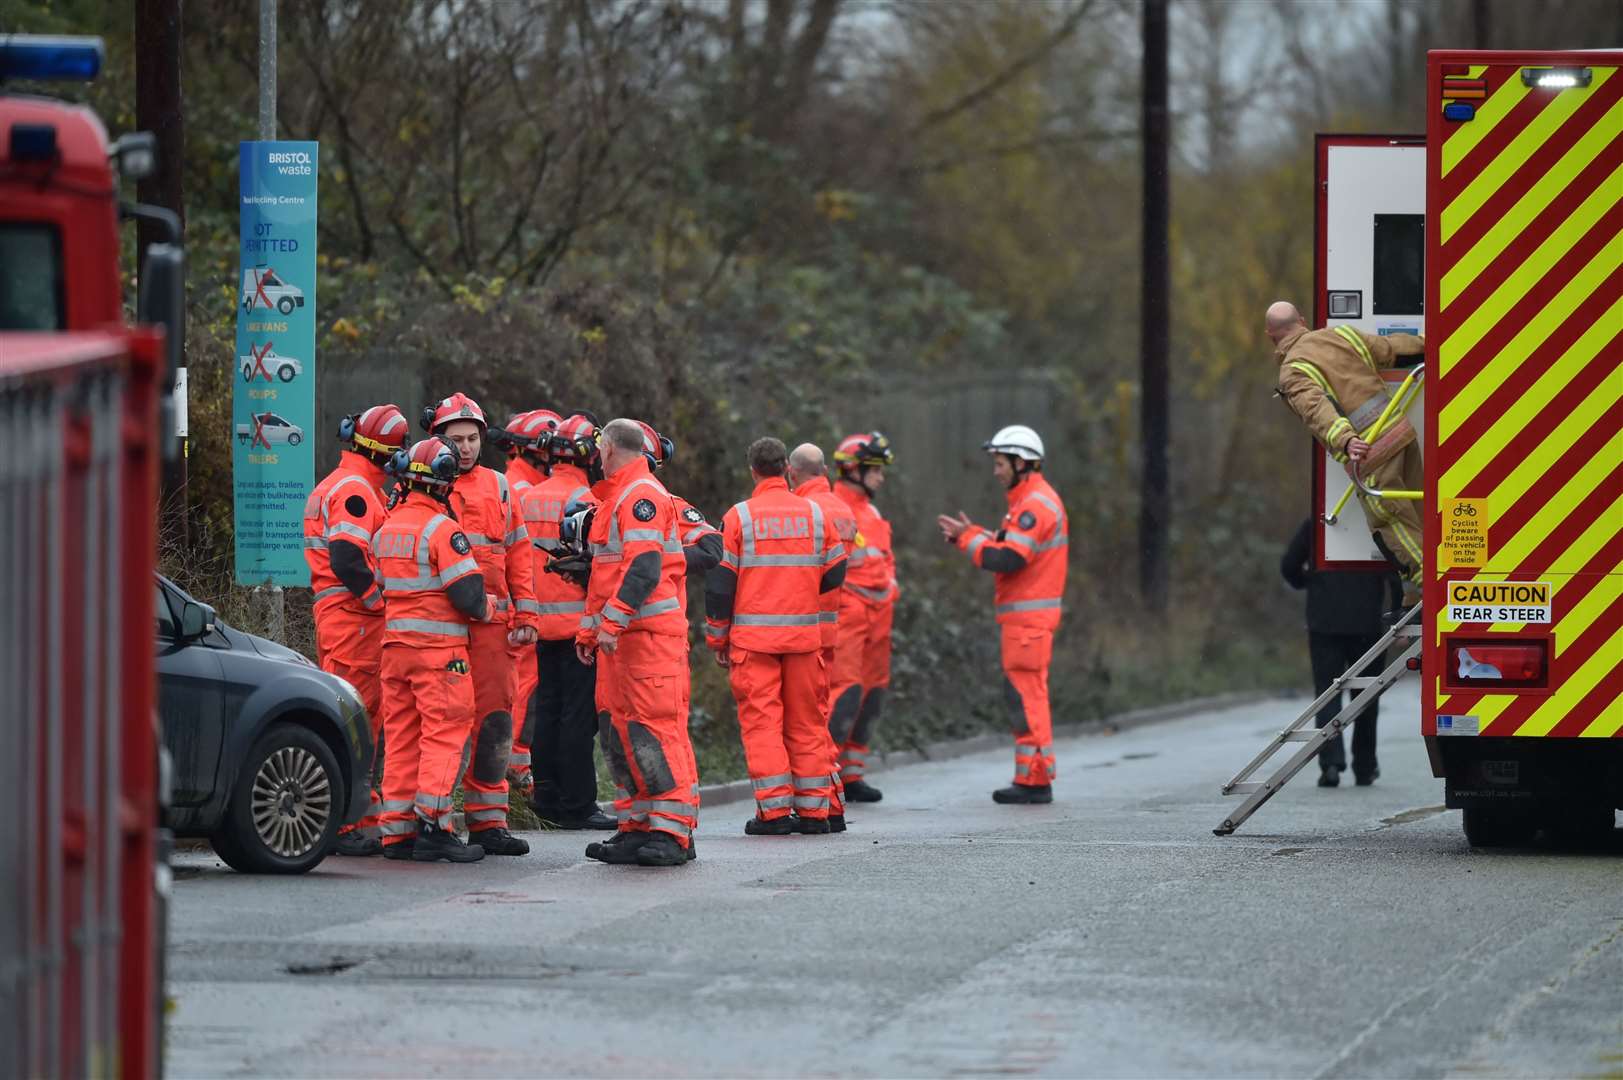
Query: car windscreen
pixel 31 277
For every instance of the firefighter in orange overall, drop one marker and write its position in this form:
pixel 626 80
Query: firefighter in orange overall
pixel 485 509
pixel 432 589
pixel 862 671
pixel 701 550
pixel 524 439
pixel 780 556
pixel 808 478
pixel 339 519
pixel 635 630
pixel 1331 379
pixel 1028 553
pixel 562 719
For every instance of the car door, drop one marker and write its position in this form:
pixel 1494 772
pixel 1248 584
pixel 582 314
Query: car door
pixel 191 705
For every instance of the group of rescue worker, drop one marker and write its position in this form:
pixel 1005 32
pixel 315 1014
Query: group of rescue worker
pixel 497 624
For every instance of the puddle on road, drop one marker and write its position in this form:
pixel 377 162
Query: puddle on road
pixel 1407 816
pixel 331 967
pixel 492 897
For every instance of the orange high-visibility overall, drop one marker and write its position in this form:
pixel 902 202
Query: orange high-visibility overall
pixel 521 479
pixel 780 554
pixel 427 690
pixel 494 526
pixel 862 658
pixel 638 594
pixel 1028 602
pixel 836 510
pixel 345 509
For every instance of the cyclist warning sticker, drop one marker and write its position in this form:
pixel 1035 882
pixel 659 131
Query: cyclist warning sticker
pixel 1465 533
pixel 1498 602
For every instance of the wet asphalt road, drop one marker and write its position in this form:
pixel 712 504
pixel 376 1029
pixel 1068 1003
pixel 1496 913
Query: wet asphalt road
pixel 1341 933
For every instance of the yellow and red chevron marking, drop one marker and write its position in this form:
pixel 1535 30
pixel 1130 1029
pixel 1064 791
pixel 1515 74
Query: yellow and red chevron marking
pixel 1526 207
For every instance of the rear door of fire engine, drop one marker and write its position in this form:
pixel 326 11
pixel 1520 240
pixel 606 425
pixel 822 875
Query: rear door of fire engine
pixel 1369 271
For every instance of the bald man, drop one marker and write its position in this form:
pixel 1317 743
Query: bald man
pixel 808 478
pixel 1332 381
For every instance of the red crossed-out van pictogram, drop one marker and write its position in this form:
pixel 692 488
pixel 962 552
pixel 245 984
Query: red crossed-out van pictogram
pixel 260 296
pixel 259 433
pixel 259 355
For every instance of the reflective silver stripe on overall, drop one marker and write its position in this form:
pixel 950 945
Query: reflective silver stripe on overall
pixel 428 626
pixel 1027 605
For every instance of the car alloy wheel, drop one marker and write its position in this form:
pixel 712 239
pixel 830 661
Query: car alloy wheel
pixel 292 801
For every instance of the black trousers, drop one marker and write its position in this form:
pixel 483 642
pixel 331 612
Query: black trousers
pixel 1333 654
pixel 564 733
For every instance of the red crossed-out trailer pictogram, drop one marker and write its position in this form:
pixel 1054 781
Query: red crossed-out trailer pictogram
pixel 259 355
pixel 260 296
pixel 259 432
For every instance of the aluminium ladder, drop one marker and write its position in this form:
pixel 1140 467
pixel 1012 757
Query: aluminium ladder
pixel 1313 739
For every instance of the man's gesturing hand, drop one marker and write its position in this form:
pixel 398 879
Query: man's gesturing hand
pixel 953 527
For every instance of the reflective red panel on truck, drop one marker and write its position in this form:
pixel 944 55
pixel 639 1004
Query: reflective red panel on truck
pixel 1485 663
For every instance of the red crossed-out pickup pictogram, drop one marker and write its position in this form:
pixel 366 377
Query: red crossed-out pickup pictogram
pixel 259 355
pixel 260 296
pixel 259 433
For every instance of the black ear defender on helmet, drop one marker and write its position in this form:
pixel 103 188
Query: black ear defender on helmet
pixel 666 449
pixel 447 464
pixel 427 419
pixel 346 427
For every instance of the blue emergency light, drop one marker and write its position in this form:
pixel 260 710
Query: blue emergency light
pixel 50 59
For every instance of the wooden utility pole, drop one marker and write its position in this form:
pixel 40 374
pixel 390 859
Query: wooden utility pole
pixel 1155 313
pixel 158 109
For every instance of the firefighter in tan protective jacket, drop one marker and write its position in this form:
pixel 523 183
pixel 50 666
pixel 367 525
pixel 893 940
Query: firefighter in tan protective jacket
pixel 1332 380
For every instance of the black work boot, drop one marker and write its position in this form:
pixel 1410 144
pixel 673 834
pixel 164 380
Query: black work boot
pixel 1364 778
pixel 402 850
pixel 663 849
pixel 862 791
pixel 357 843
pixel 499 841
pixel 620 849
pixel 1023 793
pixel 1330 776
pixel 779 826
pixel 812 826
pixel 435 843
pixel 591 819
pixel 836 823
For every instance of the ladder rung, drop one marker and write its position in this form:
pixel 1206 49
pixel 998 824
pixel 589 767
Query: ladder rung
pixel 1301 735
pixel 1359 682
pixel 1412 630
pixel 1247 788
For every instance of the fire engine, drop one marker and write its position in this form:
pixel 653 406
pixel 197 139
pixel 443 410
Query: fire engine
pixel 1498 235
pixel 87 396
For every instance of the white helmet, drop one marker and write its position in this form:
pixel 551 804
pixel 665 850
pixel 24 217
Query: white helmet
pixel 1016 439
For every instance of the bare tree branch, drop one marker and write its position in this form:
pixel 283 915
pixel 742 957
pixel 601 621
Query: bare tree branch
pixel 1003 78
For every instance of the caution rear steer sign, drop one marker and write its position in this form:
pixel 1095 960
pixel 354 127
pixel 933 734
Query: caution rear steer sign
pixel 1498 602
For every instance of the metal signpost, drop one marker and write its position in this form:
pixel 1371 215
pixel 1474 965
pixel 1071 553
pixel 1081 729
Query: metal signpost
pixel 274 375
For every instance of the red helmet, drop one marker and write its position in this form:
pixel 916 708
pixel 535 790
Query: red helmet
pixel 377 432
pixel 431 465
pixel 575 439
pixel 527 430
pixel 862 449
pixel 655 447
pixel 456 407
